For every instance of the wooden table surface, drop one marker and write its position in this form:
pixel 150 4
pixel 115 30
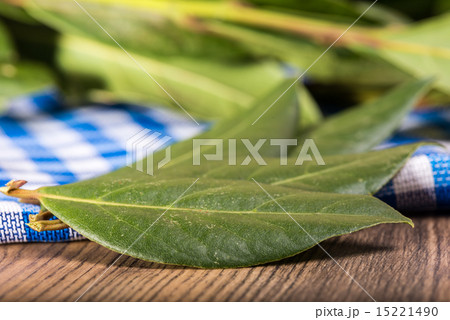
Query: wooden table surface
pixel 391 262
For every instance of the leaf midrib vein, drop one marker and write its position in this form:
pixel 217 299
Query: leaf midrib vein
pixel 118 204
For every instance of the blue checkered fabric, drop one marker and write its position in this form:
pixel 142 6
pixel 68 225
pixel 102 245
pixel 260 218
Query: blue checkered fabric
pixel 46 144
pixel 423 185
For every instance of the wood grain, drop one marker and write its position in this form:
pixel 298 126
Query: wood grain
pixel 392 262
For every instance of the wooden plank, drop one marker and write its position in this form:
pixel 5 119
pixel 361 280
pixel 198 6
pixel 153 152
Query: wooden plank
pixel 392 262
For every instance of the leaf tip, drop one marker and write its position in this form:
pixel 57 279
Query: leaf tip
pixel 410 222
pixel 34 226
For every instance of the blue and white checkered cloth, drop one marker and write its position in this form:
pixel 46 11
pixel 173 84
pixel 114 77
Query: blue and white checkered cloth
pixel 47 144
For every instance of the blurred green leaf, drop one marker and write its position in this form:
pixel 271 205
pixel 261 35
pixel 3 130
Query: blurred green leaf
pixel 171 27
pixel 336 66
pixel 6 49
pixel 441 6
pixel 206 88
pixel 18 78
pixel 343 11
pixel 22 79
pixel 309 112
pixel 422 50
pixel 381 13
pixel 14 12
pixel 140 31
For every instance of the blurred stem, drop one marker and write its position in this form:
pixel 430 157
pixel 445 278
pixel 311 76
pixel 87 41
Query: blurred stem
pixel 324 32
pixel 17 3
pixel 321 31
pixel 231 11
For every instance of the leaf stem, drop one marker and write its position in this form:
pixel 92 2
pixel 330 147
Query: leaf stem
pixel 47 225
pixel 12 189
pixel 234 11
pixel 41 216
pixel 320 31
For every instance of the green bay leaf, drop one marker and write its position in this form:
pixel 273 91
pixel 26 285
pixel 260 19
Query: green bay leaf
pixel 362 173
pixel 216 223
pixel 363 127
